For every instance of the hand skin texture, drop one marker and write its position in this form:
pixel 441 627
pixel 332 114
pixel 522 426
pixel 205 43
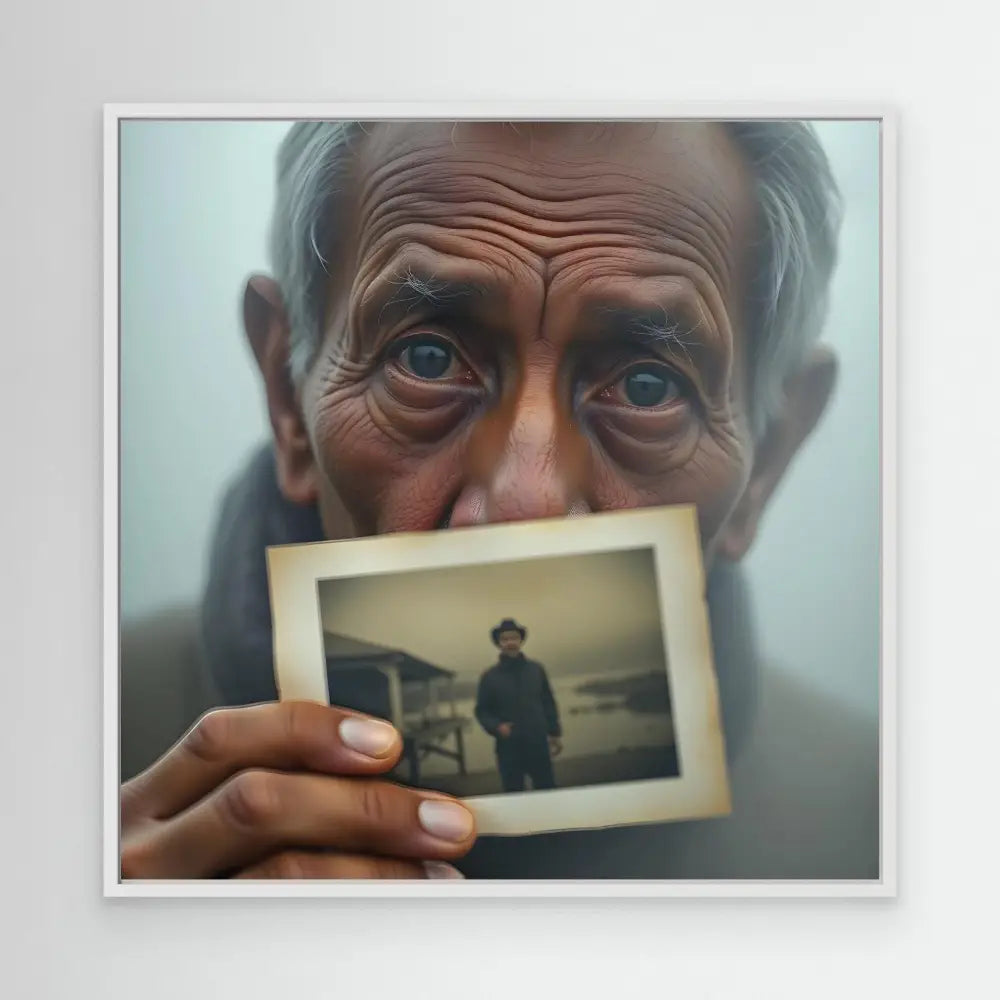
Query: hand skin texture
pixel 287 790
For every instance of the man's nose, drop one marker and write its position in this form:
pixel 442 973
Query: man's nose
pixel 527 463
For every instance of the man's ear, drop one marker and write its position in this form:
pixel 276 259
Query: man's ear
pixel 807 393
pixel 267 329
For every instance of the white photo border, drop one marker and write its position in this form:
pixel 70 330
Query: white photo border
pixel 700 791
pixel 886 884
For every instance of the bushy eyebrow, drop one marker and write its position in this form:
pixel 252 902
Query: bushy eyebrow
pixel 410 290
pixel 657 327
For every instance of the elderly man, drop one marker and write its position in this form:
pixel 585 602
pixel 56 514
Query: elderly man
pixel 484 322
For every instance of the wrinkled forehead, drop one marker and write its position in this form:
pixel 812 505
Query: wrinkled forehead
pixel 562 159
pixel 538 189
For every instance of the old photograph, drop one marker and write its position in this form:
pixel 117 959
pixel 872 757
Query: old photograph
pixel 571 691
pixel 520 673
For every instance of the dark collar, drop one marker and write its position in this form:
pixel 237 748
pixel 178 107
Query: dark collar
pixel 511 661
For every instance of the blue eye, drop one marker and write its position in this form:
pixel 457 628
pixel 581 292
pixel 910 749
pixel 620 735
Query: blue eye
pixel 428 358
pixel 649 386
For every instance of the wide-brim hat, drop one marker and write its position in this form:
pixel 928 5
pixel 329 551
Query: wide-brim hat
pixel 507 625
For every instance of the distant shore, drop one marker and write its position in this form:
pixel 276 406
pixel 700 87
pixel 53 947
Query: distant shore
pixel 597 769
pixel 643 692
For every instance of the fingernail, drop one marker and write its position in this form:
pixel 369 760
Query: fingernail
pixel 441 869
pixel 445 820
pixel 368 736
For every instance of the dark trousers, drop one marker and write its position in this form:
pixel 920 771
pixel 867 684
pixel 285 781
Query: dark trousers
pixel 518 760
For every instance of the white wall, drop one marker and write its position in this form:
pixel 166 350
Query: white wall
pixel 195 199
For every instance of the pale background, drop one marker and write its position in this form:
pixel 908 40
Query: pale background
pixel 196 198
pixel 61 61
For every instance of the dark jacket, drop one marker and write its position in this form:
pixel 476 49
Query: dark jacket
pixel 516 690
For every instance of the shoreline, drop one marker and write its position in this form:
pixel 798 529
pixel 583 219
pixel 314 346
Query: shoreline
pixel 595 769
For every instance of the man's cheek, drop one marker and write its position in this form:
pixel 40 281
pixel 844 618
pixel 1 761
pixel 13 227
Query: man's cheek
pixel 419 496
pixel 384 481
pixel 712 478
pixel 716 485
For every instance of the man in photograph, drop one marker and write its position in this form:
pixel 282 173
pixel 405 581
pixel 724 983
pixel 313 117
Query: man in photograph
pixel 515 705
pixel 482 322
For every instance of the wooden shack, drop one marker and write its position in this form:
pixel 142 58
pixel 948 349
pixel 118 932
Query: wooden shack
pixel 416 696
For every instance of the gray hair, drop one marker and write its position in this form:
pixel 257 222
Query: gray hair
pixel 800 214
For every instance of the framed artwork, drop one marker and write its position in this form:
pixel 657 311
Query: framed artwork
pixel 499 500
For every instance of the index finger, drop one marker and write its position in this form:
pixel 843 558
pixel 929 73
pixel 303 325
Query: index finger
pixel 289 735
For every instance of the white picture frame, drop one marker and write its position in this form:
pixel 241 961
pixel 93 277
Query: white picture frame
pixel 885 885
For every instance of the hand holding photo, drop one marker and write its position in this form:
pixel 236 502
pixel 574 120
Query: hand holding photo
pixel 556 674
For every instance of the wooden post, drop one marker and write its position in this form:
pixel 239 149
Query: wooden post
pixel 395 695
pixel 460 746
pixel 414 757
